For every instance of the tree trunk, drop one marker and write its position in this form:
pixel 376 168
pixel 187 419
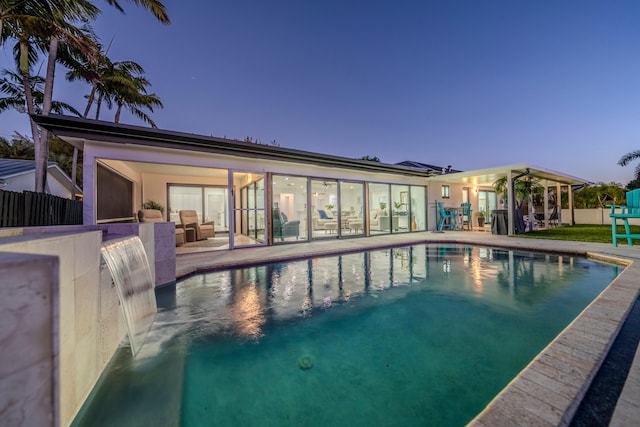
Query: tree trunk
pixel 40 155
pixel 74 170
pixel 118 111
pixel 41 175
pixel 92 96
pixel 98 107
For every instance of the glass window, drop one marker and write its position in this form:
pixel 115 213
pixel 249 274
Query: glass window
pixel 487 202
pixel 324 208
pixel 209 202
pixel 446 192
pixel 379 219
pixel 289 213
pixel 418 208
pixel 216 206
pixel 400 199
pixel 249 209
pixel 351 208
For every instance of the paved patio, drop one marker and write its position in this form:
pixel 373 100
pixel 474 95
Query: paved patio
pixel 549 390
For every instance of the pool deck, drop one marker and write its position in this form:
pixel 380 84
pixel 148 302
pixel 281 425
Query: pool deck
pixel 549 390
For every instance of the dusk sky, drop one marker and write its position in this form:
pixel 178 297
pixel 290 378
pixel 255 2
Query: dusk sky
pixel 472 84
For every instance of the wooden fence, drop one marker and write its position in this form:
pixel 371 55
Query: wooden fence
pixel 28 209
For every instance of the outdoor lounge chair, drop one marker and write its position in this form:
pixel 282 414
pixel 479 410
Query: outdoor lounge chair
pixel 154 215
pixel 189 219
pixel 552 219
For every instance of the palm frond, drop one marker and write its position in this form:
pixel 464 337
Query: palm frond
pixel 629 157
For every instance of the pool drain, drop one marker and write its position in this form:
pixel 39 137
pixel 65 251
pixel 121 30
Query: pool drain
pixel 305 363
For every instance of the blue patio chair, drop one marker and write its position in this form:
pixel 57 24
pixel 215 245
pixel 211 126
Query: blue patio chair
pixel 444 216
pixel 466 215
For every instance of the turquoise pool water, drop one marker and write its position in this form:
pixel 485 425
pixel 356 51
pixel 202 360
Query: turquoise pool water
pixel 420 335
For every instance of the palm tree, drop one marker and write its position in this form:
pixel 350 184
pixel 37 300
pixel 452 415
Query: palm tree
pixel 39 26
pixel 154 6
pixel 524 188
pixel 11 83
pixel 136 100
pixel 630 157
pixel 118 82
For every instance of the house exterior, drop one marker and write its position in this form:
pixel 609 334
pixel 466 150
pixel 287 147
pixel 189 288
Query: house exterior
pixel 265 195
pixel 19 175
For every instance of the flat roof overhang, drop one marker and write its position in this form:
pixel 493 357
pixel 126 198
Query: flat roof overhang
pixel 77 131
pixel 486 177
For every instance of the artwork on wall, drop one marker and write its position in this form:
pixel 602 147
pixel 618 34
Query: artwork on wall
pixel 404 197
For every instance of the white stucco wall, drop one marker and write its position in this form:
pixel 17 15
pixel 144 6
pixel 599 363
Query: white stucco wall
pixel 153 185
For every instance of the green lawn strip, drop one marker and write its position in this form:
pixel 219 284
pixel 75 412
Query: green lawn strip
pixel 580 233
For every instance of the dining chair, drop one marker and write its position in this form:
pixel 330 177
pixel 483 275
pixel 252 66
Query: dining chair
pixel 444 216
pixel 466 215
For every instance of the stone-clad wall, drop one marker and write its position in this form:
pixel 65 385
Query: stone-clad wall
pixel 28 297
pixel 85 306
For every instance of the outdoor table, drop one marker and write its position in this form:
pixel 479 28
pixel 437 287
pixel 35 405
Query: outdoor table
pixel 457 213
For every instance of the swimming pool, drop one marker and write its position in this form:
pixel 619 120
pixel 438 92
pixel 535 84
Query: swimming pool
pixel 419 335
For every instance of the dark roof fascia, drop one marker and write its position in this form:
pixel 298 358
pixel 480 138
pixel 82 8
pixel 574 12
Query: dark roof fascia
pixel 127 134
pixel 437 170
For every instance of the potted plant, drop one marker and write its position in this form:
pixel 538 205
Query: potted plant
pixel 152 204
pixel 480 215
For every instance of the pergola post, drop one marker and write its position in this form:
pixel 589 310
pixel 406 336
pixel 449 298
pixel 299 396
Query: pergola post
pixel 546 204
pixel 571 217
pixel 559 202
pixel 511 203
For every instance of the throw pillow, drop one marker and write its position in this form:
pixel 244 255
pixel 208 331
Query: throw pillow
pixel 323 214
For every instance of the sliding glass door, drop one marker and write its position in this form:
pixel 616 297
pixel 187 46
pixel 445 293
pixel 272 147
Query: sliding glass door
pixel 209 202
pixel 324 208
pixel 289 210
pixel 248 212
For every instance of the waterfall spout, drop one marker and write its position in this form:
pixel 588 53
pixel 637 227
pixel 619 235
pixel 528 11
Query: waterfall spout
pixel 129 267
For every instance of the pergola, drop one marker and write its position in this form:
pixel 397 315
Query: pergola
pixel 547 178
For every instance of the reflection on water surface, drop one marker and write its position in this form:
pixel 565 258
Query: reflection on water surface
pixel 420 335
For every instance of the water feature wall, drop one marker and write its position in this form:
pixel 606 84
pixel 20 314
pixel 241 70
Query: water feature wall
pixel 129 268
pixel 83 324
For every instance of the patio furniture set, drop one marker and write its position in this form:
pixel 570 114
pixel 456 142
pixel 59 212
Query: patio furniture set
pixel 190 228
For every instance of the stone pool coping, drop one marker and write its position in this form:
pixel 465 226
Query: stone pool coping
pixel 549 390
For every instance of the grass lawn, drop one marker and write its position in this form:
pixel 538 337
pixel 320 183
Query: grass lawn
pixel 581 233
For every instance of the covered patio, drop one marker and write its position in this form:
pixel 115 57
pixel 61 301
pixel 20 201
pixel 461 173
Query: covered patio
pixel 484 179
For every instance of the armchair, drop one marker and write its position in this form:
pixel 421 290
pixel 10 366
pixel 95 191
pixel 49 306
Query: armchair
pixel 154 215
pixel 282 227
pixel 189 219
pixel 375 222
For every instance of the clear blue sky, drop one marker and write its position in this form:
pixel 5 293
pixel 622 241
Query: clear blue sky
pixel 468 83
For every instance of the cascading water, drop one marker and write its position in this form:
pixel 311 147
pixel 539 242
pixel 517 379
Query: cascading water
pixel 129 267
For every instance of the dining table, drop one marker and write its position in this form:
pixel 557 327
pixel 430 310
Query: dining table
pixel 456 212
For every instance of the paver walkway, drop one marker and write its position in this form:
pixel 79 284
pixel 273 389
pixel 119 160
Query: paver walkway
pixel 550 389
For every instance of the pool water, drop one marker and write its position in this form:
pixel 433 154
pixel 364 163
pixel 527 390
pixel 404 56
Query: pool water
pixel 420 335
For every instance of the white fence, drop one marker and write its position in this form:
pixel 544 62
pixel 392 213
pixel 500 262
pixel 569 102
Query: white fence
pixel 592 216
